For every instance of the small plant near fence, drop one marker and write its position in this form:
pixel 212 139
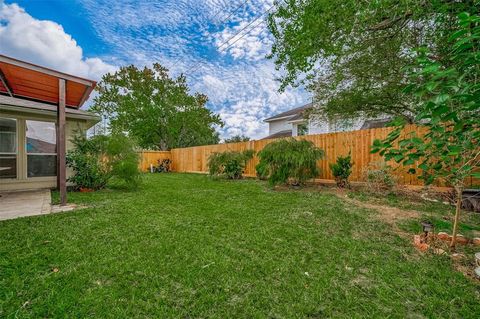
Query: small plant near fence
pixel 164 166
pixel 342 169
pixel 289 161
pixel 230 164
pixel 379 178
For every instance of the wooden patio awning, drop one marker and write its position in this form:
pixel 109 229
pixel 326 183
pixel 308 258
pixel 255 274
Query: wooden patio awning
pixel 29 81
pixel 23 80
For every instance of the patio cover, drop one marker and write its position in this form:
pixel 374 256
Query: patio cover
pixel 27 81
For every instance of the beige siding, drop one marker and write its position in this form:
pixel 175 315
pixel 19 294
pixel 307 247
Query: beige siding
pixel 22 182
pixel 278 126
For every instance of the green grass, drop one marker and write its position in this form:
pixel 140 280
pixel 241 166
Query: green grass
pixel 186 246
pixel 440 214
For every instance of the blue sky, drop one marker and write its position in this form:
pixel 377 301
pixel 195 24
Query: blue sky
pixel 91 37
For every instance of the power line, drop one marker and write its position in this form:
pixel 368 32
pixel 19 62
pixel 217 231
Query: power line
pixel 197 66
pixel 234 11
pixel 246 27
pixel 223 21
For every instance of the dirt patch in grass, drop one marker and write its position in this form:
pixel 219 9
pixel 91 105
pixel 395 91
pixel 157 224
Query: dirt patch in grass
pixel 394 216
pixel 388 214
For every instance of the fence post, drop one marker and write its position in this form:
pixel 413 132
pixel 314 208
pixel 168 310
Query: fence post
pixel 334 144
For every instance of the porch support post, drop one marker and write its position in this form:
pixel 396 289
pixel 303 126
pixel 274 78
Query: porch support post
pixel 61 148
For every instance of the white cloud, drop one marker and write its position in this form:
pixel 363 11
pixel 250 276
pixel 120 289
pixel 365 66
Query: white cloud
pixel 45 43
pixel 244 40
pixel 244 95
pixel 183 35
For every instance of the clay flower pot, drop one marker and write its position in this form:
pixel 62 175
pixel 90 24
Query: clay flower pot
pixel 462 240
pixel 443 236
pixel 476 241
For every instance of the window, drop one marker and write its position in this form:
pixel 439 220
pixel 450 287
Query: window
pixel 41 149
pixel 302 129
pixel 8 148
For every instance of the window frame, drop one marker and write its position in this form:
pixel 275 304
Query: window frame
pixel 26 153
pixel 16 153
pixel 305 131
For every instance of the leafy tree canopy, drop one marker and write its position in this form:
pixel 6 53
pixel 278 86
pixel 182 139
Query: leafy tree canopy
pixel 155 109
pixel 352 53
pixel 237 138
pixel 448 92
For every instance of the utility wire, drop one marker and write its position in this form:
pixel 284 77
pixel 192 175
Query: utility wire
pixel 264 13
pixel 223 21
pixel 197 66
pixel 234 11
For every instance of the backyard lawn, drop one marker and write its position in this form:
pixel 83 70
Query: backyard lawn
pixel 187 246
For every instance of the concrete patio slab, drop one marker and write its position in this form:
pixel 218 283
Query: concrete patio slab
pixel 24 203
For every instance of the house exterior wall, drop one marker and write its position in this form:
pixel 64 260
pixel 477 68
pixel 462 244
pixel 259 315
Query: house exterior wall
pixel 317 126
pixel 278 126
pixel 22 181
pixel 344 126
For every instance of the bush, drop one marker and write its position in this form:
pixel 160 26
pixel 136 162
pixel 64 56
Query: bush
pixel 88 170
pixel 123 160
pixel 96 160
pixel 379 178
pixel 289 161
pixel 262 170
pixel 229 164
pixel 342 169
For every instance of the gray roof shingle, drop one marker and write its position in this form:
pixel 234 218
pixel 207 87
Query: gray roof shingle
pixel 290 113
pixel 286 133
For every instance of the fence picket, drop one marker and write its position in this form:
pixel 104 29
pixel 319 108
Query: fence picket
pixel 194 159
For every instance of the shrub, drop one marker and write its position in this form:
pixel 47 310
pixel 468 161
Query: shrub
pixel 262 170
pixel 96 160
pixel 88 170
pixel 230 164
pixel 379 178
pixel 342 169
pixel 123 160
pixel 289 161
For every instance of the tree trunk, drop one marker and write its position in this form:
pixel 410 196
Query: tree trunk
pixel 458 208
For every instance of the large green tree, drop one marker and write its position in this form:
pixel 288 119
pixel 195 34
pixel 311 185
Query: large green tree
pixel 352 53
pixel 448 93
pixel 237 138
pixel 155 109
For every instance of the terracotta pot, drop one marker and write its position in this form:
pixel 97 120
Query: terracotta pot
pixel 462 240
pixel 443 236
pixel 417 241
pixel 476 241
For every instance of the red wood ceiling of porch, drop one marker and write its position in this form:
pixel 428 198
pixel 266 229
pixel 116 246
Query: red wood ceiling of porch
pixel 30 81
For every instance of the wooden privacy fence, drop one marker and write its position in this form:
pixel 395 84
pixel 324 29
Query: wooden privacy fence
pixel 152 157
pixel 194 159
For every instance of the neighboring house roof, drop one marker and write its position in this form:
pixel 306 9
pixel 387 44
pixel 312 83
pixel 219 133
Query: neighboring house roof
pixel 297 118
pixel 377 123
pixel 35 145
pixel 293 114
pixel 286 133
